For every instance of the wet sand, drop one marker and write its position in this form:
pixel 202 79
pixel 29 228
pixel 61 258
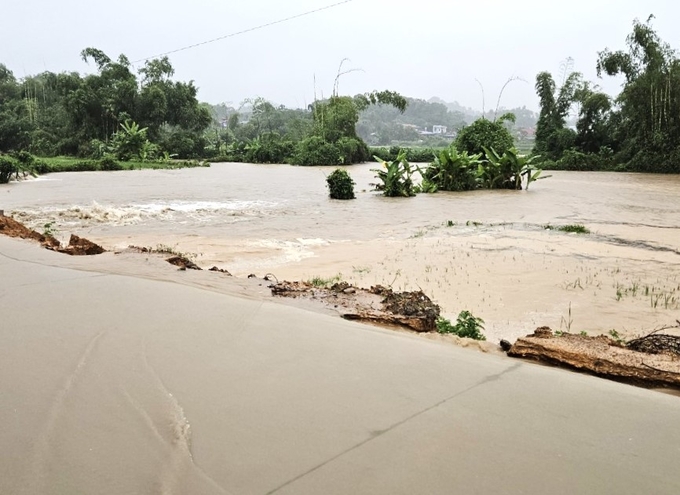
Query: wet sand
pixel 124 384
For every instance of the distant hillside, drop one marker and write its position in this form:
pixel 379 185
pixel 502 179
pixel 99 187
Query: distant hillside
pixel 434 122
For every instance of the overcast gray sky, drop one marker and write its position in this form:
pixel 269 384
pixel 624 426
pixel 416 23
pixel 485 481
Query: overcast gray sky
pixel 421 48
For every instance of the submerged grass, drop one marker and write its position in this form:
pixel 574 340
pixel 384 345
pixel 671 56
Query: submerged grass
pixel 575 228
pixel 321 282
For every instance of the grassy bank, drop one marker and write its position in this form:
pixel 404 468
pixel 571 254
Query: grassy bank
pixel 72 164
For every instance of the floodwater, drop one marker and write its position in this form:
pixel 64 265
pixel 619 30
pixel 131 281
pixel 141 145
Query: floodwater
pixel 485 251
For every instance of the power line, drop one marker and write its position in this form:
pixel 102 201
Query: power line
pixel 231 35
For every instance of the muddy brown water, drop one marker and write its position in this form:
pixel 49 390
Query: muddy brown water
pixel 484 251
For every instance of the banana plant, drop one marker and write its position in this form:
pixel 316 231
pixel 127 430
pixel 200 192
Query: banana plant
pixel 531 174
pixel 453 171
pixel 509 170
pixel 396 176
pixel 490 172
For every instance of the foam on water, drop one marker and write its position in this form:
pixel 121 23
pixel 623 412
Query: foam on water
pixel 121 215
pixel 205 206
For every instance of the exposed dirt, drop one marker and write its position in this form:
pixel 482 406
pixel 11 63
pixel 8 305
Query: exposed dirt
pixel 12 228
pixel 177 259
pixel 413 310
pixel 77 246
pixel 183 263
pixel 604 357
pixel 220 270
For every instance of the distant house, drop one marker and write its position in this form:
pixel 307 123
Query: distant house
pixel 527 132
pixel 438 130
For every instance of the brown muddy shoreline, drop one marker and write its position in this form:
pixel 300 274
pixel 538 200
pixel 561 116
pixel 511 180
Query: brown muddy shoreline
pixel 414 312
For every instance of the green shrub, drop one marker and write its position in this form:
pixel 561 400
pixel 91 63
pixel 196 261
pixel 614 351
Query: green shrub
pixel 667 162
pixel 8 167
pixel 483 133
pixel 42 167
pixel 108 163
pixel 268 148
pixel 182 143
pixel 82 166
pixel 315 151
pixel 352 150
pixel 24 158
pixel 322 282
pixel 574 160
pixel 415 155
pixel 467 326
pixel 340 185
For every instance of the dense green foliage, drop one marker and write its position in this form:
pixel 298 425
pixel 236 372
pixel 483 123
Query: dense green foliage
pixel 340 184
pixel 324 135
pixel 119 114
pixel 638 131
pixel 452 170
pixel 511 170
pixel 21 164
pixel 90 116
pixel 416 155
pixel 9 167
pixel 552 138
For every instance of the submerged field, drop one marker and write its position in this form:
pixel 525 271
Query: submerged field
pixel 488 252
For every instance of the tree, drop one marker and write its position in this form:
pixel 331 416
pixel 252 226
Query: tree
pixel 593 130
pixel 334 138
pixel 483 133
pixel 551 136
pixel 649 103
pixel 129 141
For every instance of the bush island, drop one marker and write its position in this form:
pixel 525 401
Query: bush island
pixel 340 185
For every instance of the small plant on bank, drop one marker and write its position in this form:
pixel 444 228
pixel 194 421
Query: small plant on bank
pixel 567 321
pixel 467 326
pixel 49 229
pixel 321 283
pixel 340 185
pixel 617 336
